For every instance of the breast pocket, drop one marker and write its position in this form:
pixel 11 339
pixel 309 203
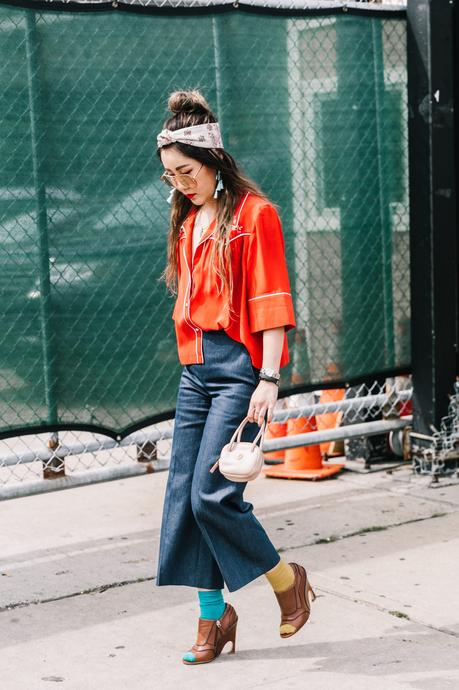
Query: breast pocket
pixel 237 239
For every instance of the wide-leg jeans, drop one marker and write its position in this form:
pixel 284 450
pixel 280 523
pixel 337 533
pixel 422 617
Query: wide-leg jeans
pixel 209 534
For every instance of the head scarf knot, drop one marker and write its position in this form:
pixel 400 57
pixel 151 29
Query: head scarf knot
pixel 206 136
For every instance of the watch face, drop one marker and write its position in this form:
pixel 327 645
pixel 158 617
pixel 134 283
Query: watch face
pixel 271 372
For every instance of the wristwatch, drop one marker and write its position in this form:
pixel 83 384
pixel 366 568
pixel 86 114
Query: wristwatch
pixel 269 375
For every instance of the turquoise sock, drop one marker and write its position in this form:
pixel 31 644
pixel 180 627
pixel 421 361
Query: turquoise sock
pixel 212 604
pixel 212 607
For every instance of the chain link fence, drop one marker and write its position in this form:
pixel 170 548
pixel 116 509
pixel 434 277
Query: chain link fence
pixel 316 115
pixel 438 454
pixel 46 462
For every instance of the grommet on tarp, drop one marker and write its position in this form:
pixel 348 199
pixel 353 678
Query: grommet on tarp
pixel 114 3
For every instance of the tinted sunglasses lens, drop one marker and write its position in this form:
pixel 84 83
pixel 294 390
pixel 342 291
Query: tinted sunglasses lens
pixel 186 180
pixel 166 180
pixel 183 179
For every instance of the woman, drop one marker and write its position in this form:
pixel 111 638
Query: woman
pixel 226 263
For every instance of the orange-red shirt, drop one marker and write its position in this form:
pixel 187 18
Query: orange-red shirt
pixel 261 291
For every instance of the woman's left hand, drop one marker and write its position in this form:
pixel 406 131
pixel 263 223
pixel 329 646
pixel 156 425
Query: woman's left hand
pixel 262 401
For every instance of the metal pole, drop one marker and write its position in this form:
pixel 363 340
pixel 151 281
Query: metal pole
pixel 139 438
pixel 144 440
pixel 359 196
pixel 218 70
pixel 36 132
pixel 136 469
pixel 433 232
pixel 340 433
pixel 83 479
pixel 383 197
pixel 256 127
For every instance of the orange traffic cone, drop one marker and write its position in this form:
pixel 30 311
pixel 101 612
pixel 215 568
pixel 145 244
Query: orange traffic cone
pixel 330 420
pixel 275 430
pixel 304 462
pixel 405 407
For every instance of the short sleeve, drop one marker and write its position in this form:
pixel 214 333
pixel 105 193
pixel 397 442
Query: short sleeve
pixel 269 298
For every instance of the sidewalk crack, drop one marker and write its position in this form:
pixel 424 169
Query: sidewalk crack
pixel 100 589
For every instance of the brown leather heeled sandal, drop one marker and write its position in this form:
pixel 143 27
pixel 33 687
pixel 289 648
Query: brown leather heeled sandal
pixel 212 637
pixel 294 602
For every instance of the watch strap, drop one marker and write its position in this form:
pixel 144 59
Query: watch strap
pixel 271 379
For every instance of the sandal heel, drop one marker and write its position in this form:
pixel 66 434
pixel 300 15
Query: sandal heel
pixel 313 594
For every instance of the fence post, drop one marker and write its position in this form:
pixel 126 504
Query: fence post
pixel 257 123
pixel 363 198
pixel 54 467
pixel 431 27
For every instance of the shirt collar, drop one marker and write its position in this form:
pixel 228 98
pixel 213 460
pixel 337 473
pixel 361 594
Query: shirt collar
pixel 189 220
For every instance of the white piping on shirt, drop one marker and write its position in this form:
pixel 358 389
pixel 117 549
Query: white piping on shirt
pixel 269 294
pixel 241 234
pixel 188 299
pixel 211 237
pixel 240 210
pixel 233 225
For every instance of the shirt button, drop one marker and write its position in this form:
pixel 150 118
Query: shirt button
pixel 196 329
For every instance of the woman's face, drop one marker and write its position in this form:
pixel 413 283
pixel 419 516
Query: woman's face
pixel 175 162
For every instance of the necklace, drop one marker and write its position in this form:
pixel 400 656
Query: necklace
pixel 198 229
pixel 201 226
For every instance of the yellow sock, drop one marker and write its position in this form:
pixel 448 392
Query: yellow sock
pixel 282 577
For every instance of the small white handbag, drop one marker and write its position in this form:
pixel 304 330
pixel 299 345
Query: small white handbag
pixel 239 460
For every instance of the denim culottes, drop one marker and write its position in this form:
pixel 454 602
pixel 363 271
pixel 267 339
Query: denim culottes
pixel 209 534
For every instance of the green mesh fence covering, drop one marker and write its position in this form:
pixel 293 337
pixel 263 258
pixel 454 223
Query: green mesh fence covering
pixel 313 108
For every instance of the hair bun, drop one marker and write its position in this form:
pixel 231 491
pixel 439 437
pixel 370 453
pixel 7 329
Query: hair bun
pixel 188 102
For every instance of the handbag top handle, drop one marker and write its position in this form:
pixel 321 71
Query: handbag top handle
pixel 237 434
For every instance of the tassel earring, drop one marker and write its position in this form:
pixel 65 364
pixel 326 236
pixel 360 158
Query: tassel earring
pixel 220 184
pixel 171 194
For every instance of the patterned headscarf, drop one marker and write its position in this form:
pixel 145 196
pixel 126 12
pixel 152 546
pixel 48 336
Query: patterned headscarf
pixel 206 136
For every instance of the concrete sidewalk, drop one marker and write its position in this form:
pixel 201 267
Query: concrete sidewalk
pixel 79 606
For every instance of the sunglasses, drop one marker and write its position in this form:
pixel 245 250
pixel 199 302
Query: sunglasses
pixel 186 180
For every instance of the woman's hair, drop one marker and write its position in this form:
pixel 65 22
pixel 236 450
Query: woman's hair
pixel 190 108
